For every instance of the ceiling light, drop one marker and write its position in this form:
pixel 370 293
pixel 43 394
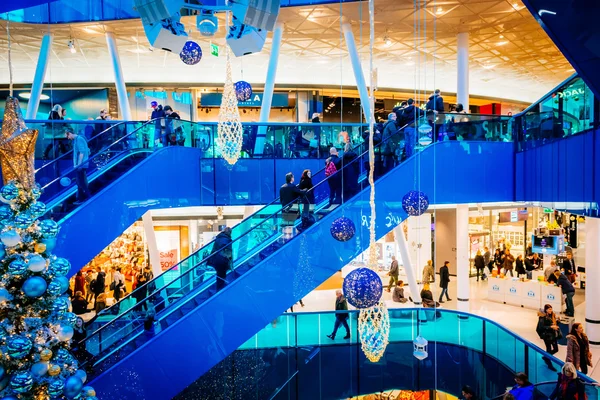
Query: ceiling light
pixel 488 66
pixel 134 39
pixel 515 6
pixel 71 45
pixel 501 43
pixel 439 11
pixel 501 36
pixel 27 95
pixel 388 42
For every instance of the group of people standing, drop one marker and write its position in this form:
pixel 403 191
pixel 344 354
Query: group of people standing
pixel 166 130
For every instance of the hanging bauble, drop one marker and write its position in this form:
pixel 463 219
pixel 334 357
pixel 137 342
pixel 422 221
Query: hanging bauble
pixel 207 23
pixel 53 370
pixel 63 282
pixel 48 228
pixel 2 372
pixel 363 288
pixel 65 181
pixel 415 203
pixel 65 332
pixel 6 214
pixel 36 192
pixel 17 267
pixel 229 130
pixel 81 374
pixel 60 305
pixel 46 355
pixel 243 91
pixel 343 229
pixel 55 387
pixel 59 267
pixel 62 356
pixel 37 209
pixel 10 238
pixel 55 288
pixel 39 369
pixel 88 391
pixel 425 135
pixel 34 286
pixel 73 386
pixel 21 382
pixel 191 53
pixel 9 192
pixel 374 331
pixel 4 296
pixel 69 318
pixel 18 346
pixel 37 263
pixel 24 220
pixel 50 244
pixel 39 248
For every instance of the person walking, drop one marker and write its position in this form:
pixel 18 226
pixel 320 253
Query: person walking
pixel 221 256
pixel 568 290
pixel 98 285
pixel 520 266
pixel 547 329
pixel 479 265
pixel 507 262
pixel 568 386
pixel 118 284
pixel 498 260
pixel 80 283
pixel 340 318
pixel 332 165
pixel 89 277
pixel 578 348
pixel 487 258
pixel 394 272
pixel 81 154
pixel 444 281
pixel 568 266
pixel 428 274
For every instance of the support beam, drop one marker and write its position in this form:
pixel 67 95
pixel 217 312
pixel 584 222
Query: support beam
pixel 462 70
pixel 365 101
pixel 38 80
pixel 113 51
pixel 408 265
pixel 267 100
pixel 592 279
pixel 462 257
pixel 153 253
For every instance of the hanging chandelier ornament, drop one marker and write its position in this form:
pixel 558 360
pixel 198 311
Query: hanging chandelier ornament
pixel 374 331
pixel 230 131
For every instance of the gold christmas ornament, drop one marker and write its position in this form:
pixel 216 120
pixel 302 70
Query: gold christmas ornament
pixel 17 146
pixel 40 247
pixel 230 131
pixel 46 355
pixel 53 370
pixel 89 391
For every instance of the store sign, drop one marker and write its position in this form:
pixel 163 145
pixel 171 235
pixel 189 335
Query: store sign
pixel 168 259
pixel 214 100
pixel 550 297
pixel 513 290
pixel 531 293
pixel 496 288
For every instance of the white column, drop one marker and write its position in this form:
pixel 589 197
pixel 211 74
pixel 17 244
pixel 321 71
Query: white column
pixel 363 93
pixel 462 257
pixel 151 243
pixel 406 262
pixel 38 80
pixel 462 70
pixel 119 80
pixel 592 279
pixel 267 100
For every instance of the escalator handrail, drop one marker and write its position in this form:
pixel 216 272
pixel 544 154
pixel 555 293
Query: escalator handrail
pixel 204 260
pixel 555 89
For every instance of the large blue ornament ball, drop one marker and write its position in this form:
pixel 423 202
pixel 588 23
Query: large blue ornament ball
pixel 39 369
pixel 9 192
pixel 24 220
pixel 415 203
pixel 363 288
pixel 36 263
pixel 34 286
pixel 48 228
pixel 59 267
pixel 17 267
pixel 69 318
pixel 243 91
pixel 10 238
pixel 50 244
pixel 55 387
pixel 65 181
pixel 5 214
pixel 18 346
pixel 73 386
pixel 63 282
pixel 10 398
pixel 37 209
pixel 55 288
pixel 60 305
pixel 191 53
pixel 21 382
pixel 343 229
pixel 81 374
pixel 65 332
pixel 61 357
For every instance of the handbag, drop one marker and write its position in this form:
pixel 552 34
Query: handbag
pixel 112 285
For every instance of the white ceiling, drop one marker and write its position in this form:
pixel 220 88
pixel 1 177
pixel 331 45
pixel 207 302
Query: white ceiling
pixel 511 57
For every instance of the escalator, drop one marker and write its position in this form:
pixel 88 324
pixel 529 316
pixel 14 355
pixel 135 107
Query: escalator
pixel 272 271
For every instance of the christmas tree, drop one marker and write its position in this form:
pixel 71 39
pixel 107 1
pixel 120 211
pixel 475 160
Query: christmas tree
pixel 35 325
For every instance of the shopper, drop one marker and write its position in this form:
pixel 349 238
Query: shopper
pixel 80 282
pixel 434 106
pixel 118 284
pixel 79 333
pixel 149 319
pixel 289 193
pixel 498 260
pixel 340 318
pixel 350 172
pixel 56 131
pixel 568 290
pixel 507 262
pixel 394 272
pixel 578 348
pixel 520 267
pixel 81 154
pixel 569 386
pixel 468 393
pixel 221 256
pixel 306 184
pixel 487 258
pixel 158 115
pixel 428 274
pixel 173 131
pixel 479 265
pixel 89 277
pixel 141 287
pixel 444 281
pixel 98 285
pixel 398 293
pixel 568 266
pixel 524 389
pixel 79 304
pixel 549 272
pixel 547 329
pixel 537 261
pixel 332 165
pixel 100 303
pixel 410 117
pixel 529 267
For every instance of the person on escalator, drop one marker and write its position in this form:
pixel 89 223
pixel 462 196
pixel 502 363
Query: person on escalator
pixel 221 256
pixel 523 390
pixel 350 172
pixel 81 154
pixel 158 114
pixel 410 117
pixel 173 130
pixel 332 165
pixel 289 193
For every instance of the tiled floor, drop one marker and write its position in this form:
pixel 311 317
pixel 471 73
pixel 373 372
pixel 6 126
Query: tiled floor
pixel 521 321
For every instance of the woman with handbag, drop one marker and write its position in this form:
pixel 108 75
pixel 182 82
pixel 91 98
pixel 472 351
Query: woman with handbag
pixel 578 348
pixel 569 386
pixel 548 330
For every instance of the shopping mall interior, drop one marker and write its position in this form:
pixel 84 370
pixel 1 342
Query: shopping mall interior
pixel 299 200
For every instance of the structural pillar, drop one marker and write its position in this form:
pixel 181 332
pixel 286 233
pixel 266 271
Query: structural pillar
pixel 267 100
pixel 38 80
pixel 363 93
pixel 153 253
pixel 462 70
pixel 462 257
pixel 119 80
pixel 408 265
pixel 592 279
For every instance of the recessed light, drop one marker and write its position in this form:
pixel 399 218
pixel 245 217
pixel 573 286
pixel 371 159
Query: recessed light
pixel 388 42
pixel 27 95
pixel 501 43
pixel 439 11
pixel 501 36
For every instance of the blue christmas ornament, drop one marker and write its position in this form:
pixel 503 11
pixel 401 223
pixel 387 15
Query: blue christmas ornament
pixel 48 228
pixel 81 374
pixel 4 296
pixel 9 192
pixel 243 91
pixel 343 229
pixel 73 386
pixel 2 372
pixel 55 288
pixel 36 192
pixel 363 288
pixel 60 305
pixel 23 220
pixel 191 53
pixel 2 251
pixel 61 357
pixel 415 203
pixel 69 318
pixel 17 267
pixel 50 244
pixel 39 369
pixel 63 282
pixel 10 398
pixel 34 286
pixel 5 214
pixel 59 267
pixel 55 387
pixel 65 332
pixel 37 209
pixel 10 238
pixel 21 382
pixel 18 346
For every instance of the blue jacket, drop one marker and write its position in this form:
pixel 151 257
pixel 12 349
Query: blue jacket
pixel 565 285
pixel 436 102
pixel 523 393
pixel 158 112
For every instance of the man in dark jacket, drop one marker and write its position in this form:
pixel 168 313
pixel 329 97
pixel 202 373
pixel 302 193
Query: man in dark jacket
pixel 341 318
pixel 170 129
pixel 158 114
pixel 444 281
pixel 393 274
pixel 289 193
pixel 568 266
pixel 221 256
pixel 99 284
pixel 568 290
pixel 434 106
pixel 410 117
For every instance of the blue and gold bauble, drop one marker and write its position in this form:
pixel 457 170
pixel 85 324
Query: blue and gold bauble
pixel 10 238
pixel 50 244
pixel 5 214
pixel 17 267
pixel 4 296
pixel 69 318
pixel 36 192
pixel 88 391
pixel 9 192
pixel 34 286
pixel 243 91
pixel 54 288
pixel 343 229
pixel 18 346
pixel 55 387
pixel 48 228
pixel 24 220
pixel 21 382
pixel 363 288
pixel 81 374
pixel 59 267
pixel 415 203
pixel 64 283
pixel 37 209
pixel 60 305
pixel 191 54
pixel 73 386
pixel 39 369
pixel 36 263
pixel 61 357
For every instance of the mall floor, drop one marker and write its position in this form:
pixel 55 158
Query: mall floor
pixel 521 321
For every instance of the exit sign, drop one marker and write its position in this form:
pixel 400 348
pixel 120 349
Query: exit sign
pixel 214 50
pixel 548 210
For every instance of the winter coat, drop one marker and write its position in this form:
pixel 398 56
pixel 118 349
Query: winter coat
pixel 398 295
pixel 436 102
pixel 519 267
pixel 568 389
pixel 444 277
pixel 565 285
pixel 428 275
pixel 523 392
pixel 508 261
pixel 221 251
pixel 544 327
pixel 479 262
pixel 306 184
pixel 574 353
